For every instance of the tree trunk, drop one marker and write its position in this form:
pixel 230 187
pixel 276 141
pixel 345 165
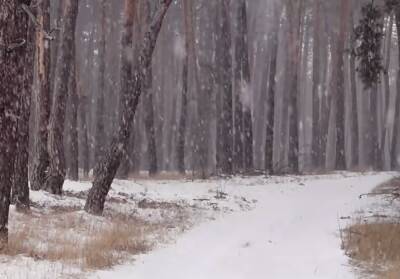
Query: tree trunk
pixel 339 94
pixel 224 60
pixel 148 102
pixel 106 169
pixel 100 108
pixel 185 84
pixel 317 88
pixel 269 138
pixel 82 130
pixel 56 175
pixel 73 149
pixel 394 147
pixel 20 187
pixel 386 81
pixel 354 100
pixel 13 66
pixel 295 15
pixel 243 130
pixel 41 159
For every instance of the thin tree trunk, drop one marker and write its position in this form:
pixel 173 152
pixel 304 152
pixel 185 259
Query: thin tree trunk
pixel 224 60
pixel 73 145
pixel 394 147
pixel 317 88
pixel 41 159
pixel 269 139
pixel 185 82
pixel 56 175
pixel 295 15
pixel 100 108
pixel 148 102
pixel 354 100
pixel 339 95
pixel 386 114
pixel 243 130
pixel 106 169
pixel 82 129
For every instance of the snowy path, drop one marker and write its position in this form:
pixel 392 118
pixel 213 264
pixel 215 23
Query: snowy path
pixel 292 233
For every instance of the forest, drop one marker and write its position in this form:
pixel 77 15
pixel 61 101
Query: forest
pixel 96 92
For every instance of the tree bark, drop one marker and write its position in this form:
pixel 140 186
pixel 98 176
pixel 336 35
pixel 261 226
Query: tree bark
pixel 295 14
pixel 13 53
pixel 41 159
pixel 225 118
pixel 354 100
pixel 394 146
pixel 148 102
pixel 339 94
pixel 180 150
pixel 56 174
pixel 73 145
pixel 269 138
pixel 317 88
pixel 20 187
pixel 106 169
pixel 100 108
pixel 82 130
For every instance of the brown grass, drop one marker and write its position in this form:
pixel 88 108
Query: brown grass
pixel 76 239
pixel 375 246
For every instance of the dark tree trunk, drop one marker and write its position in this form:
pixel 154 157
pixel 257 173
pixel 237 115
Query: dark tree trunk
pixel 41 159
pixel 225 118
pixel 13 53
pixel 106 169
pixel 269 138
pixel 55 177
pixel 295 15
pixel 246 94
pixel 149 104
pixel 238 131
pixel 339 94
pixel 180 150
pixel 100 108
pixel 20 188
pixel 354 100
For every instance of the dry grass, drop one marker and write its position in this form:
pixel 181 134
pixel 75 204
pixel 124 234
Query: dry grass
pixel 374 246
pixel 77 239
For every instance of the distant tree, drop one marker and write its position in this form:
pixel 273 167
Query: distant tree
pixel 100 106
pixel 187 20
pixel 56 175
pixel 225 112
pixel 148 101
pixel 270 122
pixel 243 148
pixel 339 79
pixel 72 128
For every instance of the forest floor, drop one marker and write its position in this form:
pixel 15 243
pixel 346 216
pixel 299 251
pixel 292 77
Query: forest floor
pixel 254 227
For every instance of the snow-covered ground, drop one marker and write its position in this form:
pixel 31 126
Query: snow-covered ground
pixel 257 227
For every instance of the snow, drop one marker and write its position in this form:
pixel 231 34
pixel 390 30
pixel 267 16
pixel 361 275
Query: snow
pixel 257 227
pixel 292 233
